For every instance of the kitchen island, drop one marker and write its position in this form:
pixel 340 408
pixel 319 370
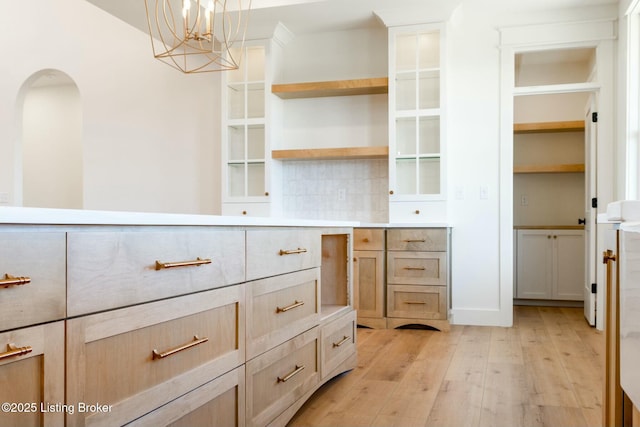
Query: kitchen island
pixel 113 318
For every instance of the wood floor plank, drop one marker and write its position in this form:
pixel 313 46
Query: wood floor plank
pixel 544 371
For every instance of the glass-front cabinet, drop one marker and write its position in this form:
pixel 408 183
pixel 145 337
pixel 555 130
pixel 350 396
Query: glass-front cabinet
pixel 416 134
pixel 245 144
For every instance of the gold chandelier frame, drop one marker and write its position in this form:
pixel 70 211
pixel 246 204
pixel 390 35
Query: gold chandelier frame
pixel 200 39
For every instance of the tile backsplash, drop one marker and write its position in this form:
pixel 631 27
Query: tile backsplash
pixel 346 190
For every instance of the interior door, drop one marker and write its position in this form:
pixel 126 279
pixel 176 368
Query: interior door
pixel 590 164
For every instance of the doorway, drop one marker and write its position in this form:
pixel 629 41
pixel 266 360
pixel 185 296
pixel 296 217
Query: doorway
pixel 50 172
pixel 553 180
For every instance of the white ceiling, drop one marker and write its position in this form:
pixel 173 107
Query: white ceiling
pixel 307 16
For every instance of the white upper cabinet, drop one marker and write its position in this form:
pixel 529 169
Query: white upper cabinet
pixel 416 134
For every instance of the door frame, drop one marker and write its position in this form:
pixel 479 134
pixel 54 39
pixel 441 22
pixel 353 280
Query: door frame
pixel 600 35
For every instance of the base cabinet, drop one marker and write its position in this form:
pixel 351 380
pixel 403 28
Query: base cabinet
pixel 401 276
pixel 550 264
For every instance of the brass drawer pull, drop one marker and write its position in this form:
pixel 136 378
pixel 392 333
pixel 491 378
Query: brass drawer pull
pixel 13 350
pixel 342 341
pixel 414 240
pixel 292 251
pixel 415 268
pixel 415 302
pixel 295 372
pixel 10 280
pixel 198 262
pixel 289 307
pixel 196 341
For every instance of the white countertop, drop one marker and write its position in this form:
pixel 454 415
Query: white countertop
pixel 19 215
pixel 404 225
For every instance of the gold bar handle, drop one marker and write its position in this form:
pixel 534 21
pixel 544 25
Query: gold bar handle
pixel 197 262
pixel 13 350
pixel 196 341
pixel 292 251
pixel 415 302
pixel 414 240
pixel 342 341
pixel 289 307
pixel 415 268
pixel 10 280
pixel 295 372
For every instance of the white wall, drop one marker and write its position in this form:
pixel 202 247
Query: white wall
pixel 150 134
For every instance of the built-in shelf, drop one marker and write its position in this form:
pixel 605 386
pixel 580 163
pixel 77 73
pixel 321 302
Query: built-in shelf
pixel 372 86
pixel 332 153
pixel 562 168
pixel 542 127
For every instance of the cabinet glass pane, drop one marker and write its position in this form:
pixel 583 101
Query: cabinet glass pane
pixel 236 143
pixel 429 45
pixel 406 49
pixel 255 142
pixel 405 136
pixel 236 75
pixel 429 176
pixel 255 100
pixel 236 101
pixel 429 135
pixel 429 90
pixel 236 179
pixel 406 91
pixel 406 176
pixel 255 179
pixel 255 64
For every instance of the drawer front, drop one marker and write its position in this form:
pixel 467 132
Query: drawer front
pixel 118 268
pixel 278 251
pixel 162 349
pixel 218 403
pixel 338 342
pixel 35 378
pixel 417 239
pixel 279 377
pixel 417 268
pixel 281 307
pixel 32 278
pixel 417 302
pixel 368 239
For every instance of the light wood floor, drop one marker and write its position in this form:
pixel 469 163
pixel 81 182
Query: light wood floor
pixel 544 371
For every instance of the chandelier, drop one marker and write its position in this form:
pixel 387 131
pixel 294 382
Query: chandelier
pixel 196 39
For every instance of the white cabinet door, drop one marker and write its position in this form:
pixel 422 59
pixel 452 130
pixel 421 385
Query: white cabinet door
pixel 535 264
pixel 569 268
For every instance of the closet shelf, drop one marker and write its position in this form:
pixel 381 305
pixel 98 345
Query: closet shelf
pixel 542 127
pixel 372 86
pixel 557 168
pixel 332 153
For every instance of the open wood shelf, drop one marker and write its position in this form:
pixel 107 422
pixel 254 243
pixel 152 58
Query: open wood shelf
pixel 372 86
pixel 542 127
pixel 560 168
pixel 332 153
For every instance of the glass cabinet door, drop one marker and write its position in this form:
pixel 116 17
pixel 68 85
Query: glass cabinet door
pixel 415 111
pixel 245 126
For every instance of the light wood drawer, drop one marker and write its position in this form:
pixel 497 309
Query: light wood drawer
pixel 279 377
pixel 338 342
pixel 218 403
pixel 40 257
pixel 417 239
pixel 417 268
pixel 276 251
pixel 115 361
pixel 368 239
pixel 417 302
pixel 34 381
pixel 114 269
pixel 279 308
